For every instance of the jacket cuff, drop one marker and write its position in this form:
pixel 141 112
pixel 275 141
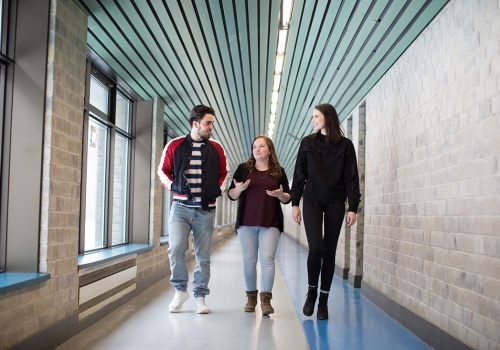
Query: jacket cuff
pixel 353 207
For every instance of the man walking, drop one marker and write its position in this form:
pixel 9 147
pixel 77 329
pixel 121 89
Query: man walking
pixel 194 168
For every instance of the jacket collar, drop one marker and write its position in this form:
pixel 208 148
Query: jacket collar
pixel 190 139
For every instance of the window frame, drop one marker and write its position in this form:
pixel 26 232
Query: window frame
pixel 7 36
pixel 107 120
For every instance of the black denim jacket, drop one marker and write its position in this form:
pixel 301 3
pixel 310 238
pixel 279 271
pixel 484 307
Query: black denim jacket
pixel 326 172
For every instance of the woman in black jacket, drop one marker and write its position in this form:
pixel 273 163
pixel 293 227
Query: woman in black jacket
pixel 260 184
pixel 326 173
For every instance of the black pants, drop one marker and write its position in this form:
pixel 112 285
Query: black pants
pixel 322 247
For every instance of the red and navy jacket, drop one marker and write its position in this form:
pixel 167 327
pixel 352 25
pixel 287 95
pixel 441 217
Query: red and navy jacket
pixel 175 161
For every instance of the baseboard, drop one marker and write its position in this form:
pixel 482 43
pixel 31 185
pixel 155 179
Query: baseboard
pixel 354 281
pixel 428 332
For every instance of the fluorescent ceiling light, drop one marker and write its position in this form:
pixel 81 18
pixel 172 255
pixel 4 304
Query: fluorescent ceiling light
pixel 274 107
pixel 274 97
pixel 282 41
pixel 287 10
pixel 277 80
pixel 279 64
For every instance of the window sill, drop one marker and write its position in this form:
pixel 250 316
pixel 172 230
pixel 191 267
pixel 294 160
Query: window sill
pixel 10 281
pixel 105 255
pixel 163 240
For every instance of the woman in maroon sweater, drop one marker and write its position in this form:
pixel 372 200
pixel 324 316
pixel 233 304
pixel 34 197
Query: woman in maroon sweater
pixel 260 185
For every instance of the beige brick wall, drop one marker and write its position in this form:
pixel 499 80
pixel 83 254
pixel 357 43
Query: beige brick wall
pixel 343 255
pixel 157 258
pixel 356 231
pixel 38 307
pixel 25 312
pixel 432 194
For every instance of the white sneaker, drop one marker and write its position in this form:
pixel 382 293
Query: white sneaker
pixel 179 299
pixel 200 306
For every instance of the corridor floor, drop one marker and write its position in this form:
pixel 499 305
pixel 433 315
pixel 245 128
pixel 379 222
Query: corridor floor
pixel 145 323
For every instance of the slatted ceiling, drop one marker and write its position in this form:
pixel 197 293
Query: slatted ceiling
pixel 267 48
pixel 157 57
pixel 393 45
pixel 236 67
pixel 251 61
pixel 242 67
pixel 366 52
pixel 360 51
pixel 344 107
pixel 289 77
pixel 218 49
pixel 303 96
pixel 221 53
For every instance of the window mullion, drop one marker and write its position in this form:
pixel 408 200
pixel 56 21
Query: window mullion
pixel 109 185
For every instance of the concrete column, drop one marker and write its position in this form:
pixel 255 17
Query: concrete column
pixel 357 230
pixel 342 258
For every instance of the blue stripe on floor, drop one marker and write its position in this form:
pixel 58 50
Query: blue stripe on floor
pixel 354 321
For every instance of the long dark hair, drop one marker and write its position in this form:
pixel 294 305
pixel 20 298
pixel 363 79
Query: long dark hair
pixel 273 165
pixel 334 132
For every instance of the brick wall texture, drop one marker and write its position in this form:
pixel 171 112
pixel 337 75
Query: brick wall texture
pixel 432 191
pixel 431 237
pixel 35 308
pixel 156 259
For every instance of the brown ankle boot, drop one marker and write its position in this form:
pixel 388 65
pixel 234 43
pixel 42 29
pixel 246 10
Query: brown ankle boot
pixel 251 301
pixel 265 303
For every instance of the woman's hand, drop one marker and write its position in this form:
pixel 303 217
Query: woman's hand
pixel 275 193
pixel 241 186
pixel 351 218
pixel 297 217
pixel 282 196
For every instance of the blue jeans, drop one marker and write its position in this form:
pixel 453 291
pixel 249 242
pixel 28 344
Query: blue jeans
pixel 182 221
pixel 257 241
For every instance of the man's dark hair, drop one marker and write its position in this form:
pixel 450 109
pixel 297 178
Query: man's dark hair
pixel 198 112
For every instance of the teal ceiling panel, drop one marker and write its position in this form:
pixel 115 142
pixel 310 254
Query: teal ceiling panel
pixel 222 53
pixel 338 41
pixel 119 68
pixel 269 26
pixel 299 29
pixel 243 31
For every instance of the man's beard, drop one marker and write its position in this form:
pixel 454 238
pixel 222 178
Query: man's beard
pixel 204 135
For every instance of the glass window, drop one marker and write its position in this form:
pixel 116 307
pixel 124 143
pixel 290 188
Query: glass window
pixel 95 208
pixel 107 167
pixel 122 119
pixel 120 189
pixel 99 95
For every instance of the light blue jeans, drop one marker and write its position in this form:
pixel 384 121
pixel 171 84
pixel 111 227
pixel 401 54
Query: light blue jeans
pixel 258 242
pixel 182 221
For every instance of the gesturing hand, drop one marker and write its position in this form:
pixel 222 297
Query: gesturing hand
pixel 241 186
pixel 275 193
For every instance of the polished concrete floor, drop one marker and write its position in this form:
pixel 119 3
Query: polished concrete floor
pixel 145 323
